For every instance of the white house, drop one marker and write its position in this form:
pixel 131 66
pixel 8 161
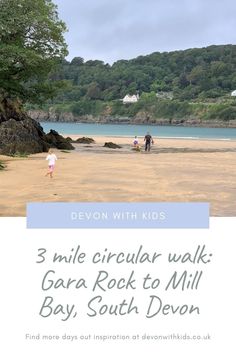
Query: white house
pixel 233 93
pixel 130 99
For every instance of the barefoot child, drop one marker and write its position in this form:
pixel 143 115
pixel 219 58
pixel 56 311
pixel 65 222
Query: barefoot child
pixel 51 158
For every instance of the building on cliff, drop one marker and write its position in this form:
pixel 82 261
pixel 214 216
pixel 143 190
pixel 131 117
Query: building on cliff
pixel 233 93
pixel 130 99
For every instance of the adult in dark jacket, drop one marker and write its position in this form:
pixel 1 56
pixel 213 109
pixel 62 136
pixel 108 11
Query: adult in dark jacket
pixel 148 141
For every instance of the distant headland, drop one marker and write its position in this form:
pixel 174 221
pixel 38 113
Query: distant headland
pixel 189 87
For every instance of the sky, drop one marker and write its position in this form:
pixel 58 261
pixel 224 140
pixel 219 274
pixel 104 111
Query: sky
pixel 110 30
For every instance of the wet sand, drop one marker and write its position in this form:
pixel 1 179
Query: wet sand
pixel 176 170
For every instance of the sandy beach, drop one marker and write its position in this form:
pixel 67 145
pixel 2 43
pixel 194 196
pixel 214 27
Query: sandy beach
pixel 177 170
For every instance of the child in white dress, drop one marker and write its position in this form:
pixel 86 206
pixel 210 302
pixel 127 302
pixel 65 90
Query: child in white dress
pixel 51 158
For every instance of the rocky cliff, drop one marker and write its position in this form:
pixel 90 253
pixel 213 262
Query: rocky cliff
pixel 140 118
pixel 20 134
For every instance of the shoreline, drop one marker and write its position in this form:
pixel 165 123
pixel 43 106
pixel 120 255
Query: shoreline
pixel 154 136
pixel 176 170
pixel 218 134
pixel 215 124
pixel 161 141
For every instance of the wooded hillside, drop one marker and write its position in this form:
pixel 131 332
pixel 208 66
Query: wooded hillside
pixel 193 78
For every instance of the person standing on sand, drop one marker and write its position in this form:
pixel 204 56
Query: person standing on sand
pixel 51 158
pixel 148 141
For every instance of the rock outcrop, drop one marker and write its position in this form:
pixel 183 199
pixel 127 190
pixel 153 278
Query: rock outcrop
pixel 20 134
pixel 111 145
pixel 51 116
pixel 55 140
pixel 85 140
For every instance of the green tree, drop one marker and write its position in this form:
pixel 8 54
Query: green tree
pixel 93 91
pixel 77 61
pixel 31 42
pixel 196 75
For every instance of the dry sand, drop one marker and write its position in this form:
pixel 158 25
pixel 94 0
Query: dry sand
pixel 175 170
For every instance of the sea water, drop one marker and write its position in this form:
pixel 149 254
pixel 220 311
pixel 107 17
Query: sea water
pixel 85 129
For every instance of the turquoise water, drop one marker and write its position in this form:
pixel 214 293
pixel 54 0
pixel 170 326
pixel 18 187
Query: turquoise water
pixel 140 130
